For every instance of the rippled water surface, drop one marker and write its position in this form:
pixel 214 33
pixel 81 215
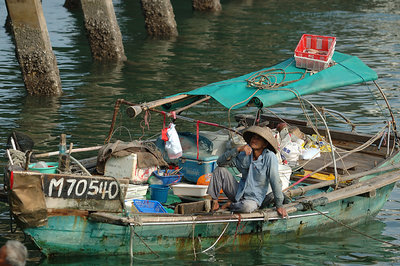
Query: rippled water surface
pixel 245 36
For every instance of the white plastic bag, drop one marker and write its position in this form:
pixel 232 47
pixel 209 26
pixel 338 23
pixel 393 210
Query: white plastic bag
pixel 291 152
pixel 311 153
pixel 173 145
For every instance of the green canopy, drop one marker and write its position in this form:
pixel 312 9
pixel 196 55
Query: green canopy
pixel 235 93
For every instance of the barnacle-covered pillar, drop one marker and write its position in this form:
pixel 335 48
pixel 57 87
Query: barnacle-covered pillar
pixel 159 18
pixel 102 29
pixel 206 5
pixel 33 48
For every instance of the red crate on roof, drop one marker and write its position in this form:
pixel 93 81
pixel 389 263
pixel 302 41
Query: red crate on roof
pixel 314 52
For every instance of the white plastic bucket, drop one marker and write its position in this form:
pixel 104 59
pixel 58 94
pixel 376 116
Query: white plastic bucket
pixel 284 173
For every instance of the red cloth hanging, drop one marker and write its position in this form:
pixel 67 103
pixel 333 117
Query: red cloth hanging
pixel 164 130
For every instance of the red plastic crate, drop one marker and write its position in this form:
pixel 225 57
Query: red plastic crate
pixel 314 52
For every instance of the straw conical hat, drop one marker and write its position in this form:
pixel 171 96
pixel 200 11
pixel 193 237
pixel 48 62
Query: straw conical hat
pixel 264 132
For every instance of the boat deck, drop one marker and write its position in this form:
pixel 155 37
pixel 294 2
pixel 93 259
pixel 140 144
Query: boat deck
pixel 355 163
pixel 344 142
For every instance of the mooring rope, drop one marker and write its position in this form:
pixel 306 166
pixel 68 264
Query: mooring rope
pixel 353 229
pixel 213 245
pixel 131 241
pixel 141 239
pixel 193 244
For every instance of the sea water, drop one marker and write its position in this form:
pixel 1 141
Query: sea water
pixel 247 35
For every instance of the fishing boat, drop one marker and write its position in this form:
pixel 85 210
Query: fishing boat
pixel 344 182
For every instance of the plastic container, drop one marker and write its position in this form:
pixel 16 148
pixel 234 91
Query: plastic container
pixel 168 179
pixel 136 191
pixel 190 190
pixel 159 193
pixel 147 206
pixel 192 168
pixel 50 169
pixel 314 52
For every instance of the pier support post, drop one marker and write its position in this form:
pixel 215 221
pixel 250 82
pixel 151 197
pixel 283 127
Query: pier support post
pixel 159 18
pixel 102 29
pixel 33 48
pixel 206 5
pixel 72 4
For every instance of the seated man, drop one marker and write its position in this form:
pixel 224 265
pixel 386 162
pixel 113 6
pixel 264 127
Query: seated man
pixel 258 164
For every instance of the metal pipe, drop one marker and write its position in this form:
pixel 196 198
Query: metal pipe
pixel 330 141
pixel 388 141
pixel 388 106
pixel 232 220
pixel 188 119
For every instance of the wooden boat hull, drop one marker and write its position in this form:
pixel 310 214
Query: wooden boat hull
pixel 78 235
pixel 83 215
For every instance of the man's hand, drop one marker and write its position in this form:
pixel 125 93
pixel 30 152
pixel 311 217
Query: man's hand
pixel 246 148
pixel 282 212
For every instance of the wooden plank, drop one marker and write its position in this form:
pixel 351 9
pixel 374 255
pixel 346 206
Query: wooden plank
pixel 193 207
pixel 342 167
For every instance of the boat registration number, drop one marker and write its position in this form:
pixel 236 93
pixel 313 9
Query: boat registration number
pixel 81 188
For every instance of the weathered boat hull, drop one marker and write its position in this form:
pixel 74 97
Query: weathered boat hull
pixel 69 235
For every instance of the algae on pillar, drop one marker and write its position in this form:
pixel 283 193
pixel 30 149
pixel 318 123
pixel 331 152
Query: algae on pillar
pixel 102 29
pixel 159 18
pixel 206 5
pixel 33 48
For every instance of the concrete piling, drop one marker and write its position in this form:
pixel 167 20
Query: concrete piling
pixel 72 4
pixel 159 18
pixel 33 48
pixel 206 5
pixel 102 29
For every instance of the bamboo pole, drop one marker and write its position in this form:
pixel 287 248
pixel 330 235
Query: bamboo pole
pixel 192 104
pixel 47 154
pixel 362 187
pixel 135 109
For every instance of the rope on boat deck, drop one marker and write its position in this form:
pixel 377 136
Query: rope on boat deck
pixel 353 229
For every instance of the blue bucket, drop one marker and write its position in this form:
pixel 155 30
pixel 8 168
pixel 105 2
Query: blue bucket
pixel 159 193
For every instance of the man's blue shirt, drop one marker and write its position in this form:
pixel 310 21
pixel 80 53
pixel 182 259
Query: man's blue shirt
pixel 256 175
